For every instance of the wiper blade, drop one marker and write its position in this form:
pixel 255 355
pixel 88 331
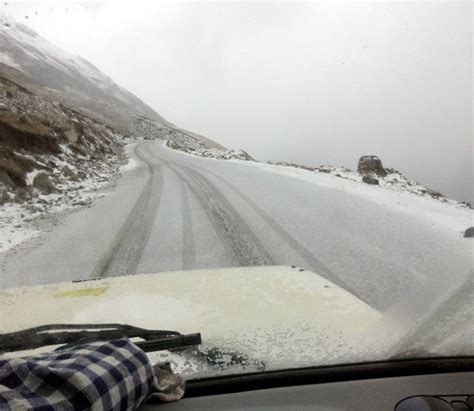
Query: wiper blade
pixel 74 334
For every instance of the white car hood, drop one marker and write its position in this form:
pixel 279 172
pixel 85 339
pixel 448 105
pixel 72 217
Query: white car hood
pixel 282 316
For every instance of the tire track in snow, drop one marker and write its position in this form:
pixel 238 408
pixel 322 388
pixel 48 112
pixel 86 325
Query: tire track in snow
pixel 125 251
pixel 314 264
pixel 189 251
pixel 236 235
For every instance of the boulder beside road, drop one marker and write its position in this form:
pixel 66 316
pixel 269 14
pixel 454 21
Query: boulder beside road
pixel 371 165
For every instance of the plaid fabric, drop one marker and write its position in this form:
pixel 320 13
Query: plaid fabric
pixel 114 375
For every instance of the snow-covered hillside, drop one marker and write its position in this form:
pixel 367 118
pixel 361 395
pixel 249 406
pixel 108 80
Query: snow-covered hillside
pixel 71 79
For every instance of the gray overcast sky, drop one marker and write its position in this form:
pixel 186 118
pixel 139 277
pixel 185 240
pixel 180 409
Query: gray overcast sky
pixel 312 83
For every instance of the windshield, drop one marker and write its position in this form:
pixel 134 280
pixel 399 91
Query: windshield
pixel 290 180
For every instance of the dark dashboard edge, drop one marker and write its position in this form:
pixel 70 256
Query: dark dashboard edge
pixel 326 374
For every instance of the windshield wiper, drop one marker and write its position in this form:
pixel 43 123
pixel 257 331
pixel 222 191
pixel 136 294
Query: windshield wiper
pixel 69 335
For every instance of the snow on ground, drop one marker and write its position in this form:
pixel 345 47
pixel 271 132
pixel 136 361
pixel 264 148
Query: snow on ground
pixel 132 163
pixel 213 153
pixel 222 154
pixel 21 222
pixel 30 177
pixel 393 192
pixel 14 230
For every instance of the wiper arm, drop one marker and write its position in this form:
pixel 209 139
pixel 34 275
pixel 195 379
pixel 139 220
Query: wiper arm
pixel 74 334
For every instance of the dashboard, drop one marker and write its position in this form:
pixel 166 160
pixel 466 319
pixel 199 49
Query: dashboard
pixel 449 383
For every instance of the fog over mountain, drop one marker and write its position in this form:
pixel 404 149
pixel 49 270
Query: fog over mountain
pixel 306 83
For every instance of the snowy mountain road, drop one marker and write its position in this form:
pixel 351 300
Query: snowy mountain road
pixel 176 211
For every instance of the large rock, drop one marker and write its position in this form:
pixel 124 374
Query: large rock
pixel 371 164
pixel 469 233
pixel 44 184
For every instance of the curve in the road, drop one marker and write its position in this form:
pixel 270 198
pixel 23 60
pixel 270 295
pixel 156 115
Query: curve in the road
pixel 238 238
pixel 229 225
pixel 125 251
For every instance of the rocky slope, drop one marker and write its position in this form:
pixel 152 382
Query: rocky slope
pixel 44 145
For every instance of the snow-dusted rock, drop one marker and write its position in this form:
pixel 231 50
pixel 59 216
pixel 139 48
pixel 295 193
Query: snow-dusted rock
pixel 371 164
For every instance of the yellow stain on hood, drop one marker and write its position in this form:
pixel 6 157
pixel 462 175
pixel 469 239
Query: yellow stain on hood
pixel 82 292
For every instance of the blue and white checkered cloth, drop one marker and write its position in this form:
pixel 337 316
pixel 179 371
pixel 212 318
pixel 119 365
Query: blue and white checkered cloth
pixel 113 375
